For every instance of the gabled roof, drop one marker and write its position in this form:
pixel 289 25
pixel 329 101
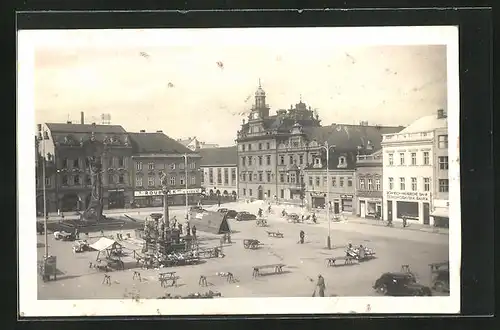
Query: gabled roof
pixel 156 143
pixel 425 124
pixel 349 137
pixel 219 156
pixel 85 128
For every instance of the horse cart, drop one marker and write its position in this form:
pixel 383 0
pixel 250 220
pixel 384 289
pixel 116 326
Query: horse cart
pixel 251 244
pixel 360 253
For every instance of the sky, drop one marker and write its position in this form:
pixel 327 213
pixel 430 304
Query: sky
pixel 205 89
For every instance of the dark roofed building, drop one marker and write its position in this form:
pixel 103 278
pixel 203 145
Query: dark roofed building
pixel 220 172
pixel 156 153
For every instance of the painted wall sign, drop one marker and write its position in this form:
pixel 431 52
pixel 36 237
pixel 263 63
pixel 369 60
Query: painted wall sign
pixel 141 193
pixel 409 195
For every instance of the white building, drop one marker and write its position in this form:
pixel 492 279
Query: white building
pixel 195 145
pixel 219 172
pixel 411 170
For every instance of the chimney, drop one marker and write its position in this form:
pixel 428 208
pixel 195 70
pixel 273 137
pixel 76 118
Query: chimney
pixel 159 131
pixel 82 118
pixel 142 131
pixel 441 114
pixel 93 124
pixel 68 122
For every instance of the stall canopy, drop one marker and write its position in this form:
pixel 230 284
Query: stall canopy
pixel 210 222
pixel 440 212
pixel 104 243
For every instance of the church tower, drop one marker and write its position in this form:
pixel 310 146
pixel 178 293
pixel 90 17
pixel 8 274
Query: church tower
pixel 260 110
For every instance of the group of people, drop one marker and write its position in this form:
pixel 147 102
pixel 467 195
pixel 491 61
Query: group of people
pixel 189 230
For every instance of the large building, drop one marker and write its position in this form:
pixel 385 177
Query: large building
pixel 275 151
pixel 415 171
pixel 219 167
pixel 369 185
pixel 195 145
pixel 68 182
pixel 154 154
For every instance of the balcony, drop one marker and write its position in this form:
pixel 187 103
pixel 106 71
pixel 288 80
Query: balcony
pixel 369 159
pixel 407 137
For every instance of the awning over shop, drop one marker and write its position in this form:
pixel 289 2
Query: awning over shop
pixel 103 244
pixel 441 212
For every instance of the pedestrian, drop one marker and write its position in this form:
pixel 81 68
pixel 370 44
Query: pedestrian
pixel 404 221
pixel 180 228
pixel 194 232
pixel 321 285
pixel 218 202
pixel 301 236
pixel 314 218
pixel 77 233
pixel 229 238
pixel 188 229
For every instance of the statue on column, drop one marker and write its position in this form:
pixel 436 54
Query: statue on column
pixel 93 213
pixel 164 186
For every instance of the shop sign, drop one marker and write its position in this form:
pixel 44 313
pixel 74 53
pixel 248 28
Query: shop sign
pixel 408 195
pixel 141 193
pixel 111 190
pixel 317 194
pixel 346 196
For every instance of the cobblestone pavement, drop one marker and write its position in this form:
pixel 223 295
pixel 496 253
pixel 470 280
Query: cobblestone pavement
pixel 393 246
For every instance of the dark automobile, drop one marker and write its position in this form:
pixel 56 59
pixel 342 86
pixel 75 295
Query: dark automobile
pixel 243 216
pixel 230 213
pixel 196 209
pixel 441 281
pixel 400 284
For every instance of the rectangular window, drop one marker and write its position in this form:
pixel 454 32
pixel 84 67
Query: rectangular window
pixel 243 159
pixel 260 160
pixel 121 162
pixel 293 178
pixel 243 177
pixel 377 184
pixel 182 180
pixel 268 159
pixel 260 177
pixel 260 146
pixel 219 176
pixel 414 158
pixel 172 166
pixel 193 180
pixel 111 179
pixel 249 176
pixel 427 184
pixel 250 192
pixel 192 165
pixel 341 181
pixel 244 192
pixel 362 184
pixel 138 181
pixel 282 193
pixel 334 181
pixel 88 180
pixel 268 174
pixel 211 175
pixel 443 163
pixel 233 175
pixel 269 194
pixel 47 181
pixel 242 147
pixel 391 159
pixel 76 163
pixel 443 185
pixel 202 178
pixel 151 181
pixel 291 159
pixel 317 181
pixel 401 158
pixel 442 141
pixel 110 162
pixel 426 158
pixel 414 184
pixel 151 166
pixel 282 177
pixel 250 149
pixel 66 163
pixel 349 182
pixel 268 145
pixel 181 166
pixel 226 176
pixel 310 181
pixel 401 184
pixel 138 166
pixel 249 160
pixel 121 179
pixel 172 181
pixel 282 160
pixel 76 180
pixel 391 183
pixel 370 184
pixel 301 159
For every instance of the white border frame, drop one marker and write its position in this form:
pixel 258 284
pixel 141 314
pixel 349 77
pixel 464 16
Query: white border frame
pixel 30 306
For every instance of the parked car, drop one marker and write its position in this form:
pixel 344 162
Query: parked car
pixel 400 284
pixel 244 216
pixel 196 209
pixel 230 213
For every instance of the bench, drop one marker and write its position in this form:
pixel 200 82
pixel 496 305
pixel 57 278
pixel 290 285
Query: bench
pixel 332 261
pixel 275 234
pixel 278 268
pixel 164 278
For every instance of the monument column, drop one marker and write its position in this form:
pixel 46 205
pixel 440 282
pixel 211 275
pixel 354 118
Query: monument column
pixel 164 184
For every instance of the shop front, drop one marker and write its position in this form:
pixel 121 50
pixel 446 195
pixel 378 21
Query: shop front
pixel 412 205
pixel 370 208
pixel 318 200
pixel 346 203
pixel 154 198
pixel 116 199
pixel 440 213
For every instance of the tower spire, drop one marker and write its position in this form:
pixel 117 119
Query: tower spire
pixel 259 84
pixel 300 98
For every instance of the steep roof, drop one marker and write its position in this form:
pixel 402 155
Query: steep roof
pixel 156 143
pixel 219 156
pixel 85 128
pixel 425 124
pixel 349 137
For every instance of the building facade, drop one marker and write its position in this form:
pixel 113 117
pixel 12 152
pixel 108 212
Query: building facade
pixel 68 182
pixel 409 170
pixel 194 144
pixel 440 204
pixel 154 154
pixel 219 172
pixel 369 185
pixel 275 151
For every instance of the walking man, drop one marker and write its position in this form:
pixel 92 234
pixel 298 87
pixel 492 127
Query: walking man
pixel 180 228
pixel 301 236
pixel 321 286
pixel 194 232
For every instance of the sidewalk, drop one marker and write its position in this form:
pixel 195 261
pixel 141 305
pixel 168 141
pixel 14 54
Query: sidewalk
pixel 397 225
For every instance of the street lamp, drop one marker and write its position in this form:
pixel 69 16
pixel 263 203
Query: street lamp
pixel 186 183
pixel 42 136
pixel 327 147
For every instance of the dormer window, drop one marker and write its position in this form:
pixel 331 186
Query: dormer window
pixel 342 162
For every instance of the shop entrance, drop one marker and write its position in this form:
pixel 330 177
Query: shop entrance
pixel 426 214
pixel 260 193
pixel 116 200
pixel 389 210
pixel 336 208
pixel 318 202
pixel 362 208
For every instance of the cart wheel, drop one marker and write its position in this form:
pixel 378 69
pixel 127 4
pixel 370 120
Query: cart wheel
pixel 439 286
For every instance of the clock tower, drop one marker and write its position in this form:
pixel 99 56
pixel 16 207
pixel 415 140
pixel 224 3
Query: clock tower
pixel 260 109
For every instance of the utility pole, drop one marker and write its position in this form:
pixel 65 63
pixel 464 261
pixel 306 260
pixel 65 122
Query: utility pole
pixel 326 147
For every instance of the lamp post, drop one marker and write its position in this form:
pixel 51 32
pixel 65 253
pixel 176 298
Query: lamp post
pixel 186 183
pixel 327 147
pixel 42 136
